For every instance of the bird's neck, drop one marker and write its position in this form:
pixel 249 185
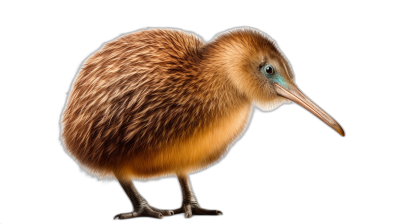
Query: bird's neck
pixel 218 92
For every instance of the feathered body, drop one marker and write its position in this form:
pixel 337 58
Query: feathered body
pixel 160 102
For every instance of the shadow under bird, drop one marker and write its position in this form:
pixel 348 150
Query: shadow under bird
pixel 162 102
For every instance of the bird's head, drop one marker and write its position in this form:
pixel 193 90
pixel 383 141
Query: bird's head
pixel 256 67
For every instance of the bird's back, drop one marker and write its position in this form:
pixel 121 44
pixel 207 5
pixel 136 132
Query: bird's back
pixel 136 95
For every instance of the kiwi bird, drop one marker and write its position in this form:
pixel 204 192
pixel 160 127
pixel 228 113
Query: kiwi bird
pixel 162 102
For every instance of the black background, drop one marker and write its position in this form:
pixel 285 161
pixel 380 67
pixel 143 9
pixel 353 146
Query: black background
pixel 287 166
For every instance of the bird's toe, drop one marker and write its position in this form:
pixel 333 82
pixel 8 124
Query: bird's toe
pixel 162 211
pixel 195 209
pixel 145 211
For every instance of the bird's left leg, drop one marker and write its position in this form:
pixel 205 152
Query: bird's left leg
pixel 190 206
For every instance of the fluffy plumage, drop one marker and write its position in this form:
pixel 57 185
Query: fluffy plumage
pixel 160 102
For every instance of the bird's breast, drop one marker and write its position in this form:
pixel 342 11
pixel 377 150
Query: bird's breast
pixel 208 144
pixel 204 147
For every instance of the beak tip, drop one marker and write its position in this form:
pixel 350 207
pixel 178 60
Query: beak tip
pixel 341 132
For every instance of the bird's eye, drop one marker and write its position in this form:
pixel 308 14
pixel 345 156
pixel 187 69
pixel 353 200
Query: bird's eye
pixel 269 69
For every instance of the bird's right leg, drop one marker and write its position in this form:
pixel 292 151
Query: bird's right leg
pixel 190 206
pixel 140 206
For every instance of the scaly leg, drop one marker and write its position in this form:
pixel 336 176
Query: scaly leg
pixel 140 205
pixel 190 206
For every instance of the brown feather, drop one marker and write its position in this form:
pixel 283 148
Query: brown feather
pixel 160 102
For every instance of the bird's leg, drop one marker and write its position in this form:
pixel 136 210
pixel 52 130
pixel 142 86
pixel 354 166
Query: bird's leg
pixel 190 206
pixel 140 205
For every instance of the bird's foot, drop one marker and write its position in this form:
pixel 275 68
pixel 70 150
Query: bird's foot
pixel 195 209
pixel 145 210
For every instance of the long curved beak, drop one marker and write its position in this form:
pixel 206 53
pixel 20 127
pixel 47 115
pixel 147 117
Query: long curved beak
pixel 295 95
